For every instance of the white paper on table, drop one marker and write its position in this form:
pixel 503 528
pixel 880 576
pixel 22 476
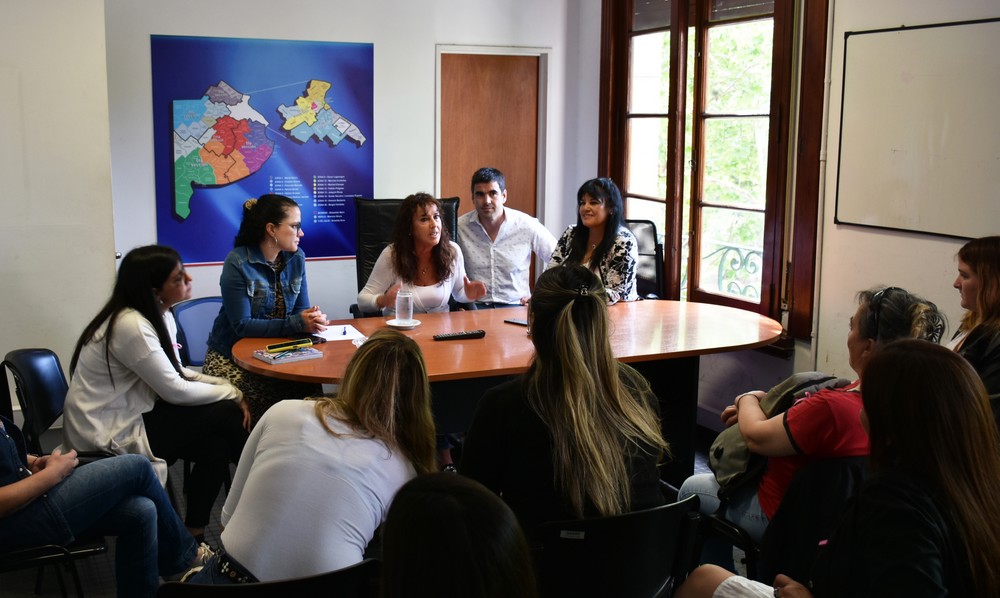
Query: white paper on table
pixel 340 333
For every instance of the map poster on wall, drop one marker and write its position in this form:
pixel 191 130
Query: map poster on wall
pixel 238 118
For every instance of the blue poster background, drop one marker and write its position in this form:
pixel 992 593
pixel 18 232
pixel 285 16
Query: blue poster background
pixel 322 177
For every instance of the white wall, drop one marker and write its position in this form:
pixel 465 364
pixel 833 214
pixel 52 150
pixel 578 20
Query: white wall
pixel 854 258
pixel 404 34
pixel 56 242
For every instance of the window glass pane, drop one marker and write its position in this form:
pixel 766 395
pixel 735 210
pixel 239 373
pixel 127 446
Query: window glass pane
pixel 731 257
pixel 735 161
pixel 649 77
pixel 647 157
pixel 643 209
pixel 650 14
pixel 731 9
pixel 739 68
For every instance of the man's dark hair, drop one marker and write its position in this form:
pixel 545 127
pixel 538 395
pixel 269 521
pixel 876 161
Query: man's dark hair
pixel 489 175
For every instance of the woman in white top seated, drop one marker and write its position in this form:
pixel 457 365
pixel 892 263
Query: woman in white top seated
pixel 422 259
pixel 128 392
pixel 317 476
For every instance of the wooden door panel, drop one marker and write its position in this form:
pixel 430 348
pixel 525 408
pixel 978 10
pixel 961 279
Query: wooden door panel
pixel 489 117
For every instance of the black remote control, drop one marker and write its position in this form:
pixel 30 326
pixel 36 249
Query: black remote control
pixel 453 336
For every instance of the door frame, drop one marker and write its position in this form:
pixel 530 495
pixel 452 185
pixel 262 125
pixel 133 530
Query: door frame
pixel 543 55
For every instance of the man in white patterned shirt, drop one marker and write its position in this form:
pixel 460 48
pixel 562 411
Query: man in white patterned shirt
pixel 498 242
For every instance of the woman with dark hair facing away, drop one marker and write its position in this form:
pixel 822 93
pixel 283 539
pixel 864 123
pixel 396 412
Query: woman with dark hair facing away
pixel 422 259
pixel 823 425
pixel 927 520
pixel 447 514
pixel 128 392
pixel 578 434
pixel 264 294
pixel 978 337
pixel 600 240
pixel 50 500
pixel 317 477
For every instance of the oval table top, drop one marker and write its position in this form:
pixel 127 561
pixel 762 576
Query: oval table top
pixel 640 331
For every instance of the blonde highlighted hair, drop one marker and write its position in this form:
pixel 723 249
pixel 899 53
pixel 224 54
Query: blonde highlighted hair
pixel 385 395
pixel 599 411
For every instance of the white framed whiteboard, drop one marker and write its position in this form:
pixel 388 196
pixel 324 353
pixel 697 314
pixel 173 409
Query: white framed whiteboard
pixel 920 129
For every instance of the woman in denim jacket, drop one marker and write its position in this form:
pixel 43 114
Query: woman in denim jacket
pixel 264 294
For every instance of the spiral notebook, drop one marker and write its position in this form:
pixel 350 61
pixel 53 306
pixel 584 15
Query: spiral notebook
pixel 300 354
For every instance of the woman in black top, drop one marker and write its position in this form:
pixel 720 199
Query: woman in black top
pixel 927 521
pixel 978 337
pixel 577 435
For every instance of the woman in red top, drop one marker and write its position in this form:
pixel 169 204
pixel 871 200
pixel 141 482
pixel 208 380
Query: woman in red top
pixel 823 425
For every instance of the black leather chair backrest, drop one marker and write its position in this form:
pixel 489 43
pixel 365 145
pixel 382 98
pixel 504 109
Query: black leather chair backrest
pixel 649 268
pixel 808 513
pixel 374 221
pixel 642 553
pixel 41 391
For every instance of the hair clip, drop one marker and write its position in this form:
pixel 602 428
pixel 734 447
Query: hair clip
pixel 583 290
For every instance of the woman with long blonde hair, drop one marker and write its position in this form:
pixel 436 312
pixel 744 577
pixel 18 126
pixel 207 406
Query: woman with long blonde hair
pixel 317 477
pixel 577 435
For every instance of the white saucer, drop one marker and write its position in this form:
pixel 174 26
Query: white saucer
pixel 403 324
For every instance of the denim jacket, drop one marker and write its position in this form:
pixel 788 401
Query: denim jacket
pixel 38 522
pixel 248 285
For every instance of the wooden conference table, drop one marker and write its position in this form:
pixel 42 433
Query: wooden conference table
pixel 661 339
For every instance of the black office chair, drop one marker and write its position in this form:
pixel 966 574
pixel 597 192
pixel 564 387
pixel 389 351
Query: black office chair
pixel 639 554
pixel 41 391
pixel 55 555
pixel 195 318
pixel 374 220
pixel 357 581
pixel 649 268
pixel 807 515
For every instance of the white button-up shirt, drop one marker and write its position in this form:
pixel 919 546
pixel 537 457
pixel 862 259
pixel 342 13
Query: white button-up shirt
pixel 504 264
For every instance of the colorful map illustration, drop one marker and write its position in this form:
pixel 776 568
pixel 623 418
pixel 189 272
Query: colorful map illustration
pixel 220 138
pixel 312 116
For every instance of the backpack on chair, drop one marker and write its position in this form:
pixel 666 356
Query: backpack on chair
pixel 734 465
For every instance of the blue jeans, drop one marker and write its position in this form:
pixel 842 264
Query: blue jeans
pixel 743 509
pixel 121 496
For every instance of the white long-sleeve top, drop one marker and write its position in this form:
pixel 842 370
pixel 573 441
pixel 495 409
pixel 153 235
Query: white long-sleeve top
pixel 304 501
pixel 105 414
pixel 425 299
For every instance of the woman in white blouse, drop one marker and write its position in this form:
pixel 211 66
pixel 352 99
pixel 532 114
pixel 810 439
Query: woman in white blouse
pixel 128 392
pixel 421 259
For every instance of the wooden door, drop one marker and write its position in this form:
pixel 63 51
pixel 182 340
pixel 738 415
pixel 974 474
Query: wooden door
pixel 489 117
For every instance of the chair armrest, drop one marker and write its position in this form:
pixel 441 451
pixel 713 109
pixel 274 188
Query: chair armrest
pixel 735 535
pixel 357 313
